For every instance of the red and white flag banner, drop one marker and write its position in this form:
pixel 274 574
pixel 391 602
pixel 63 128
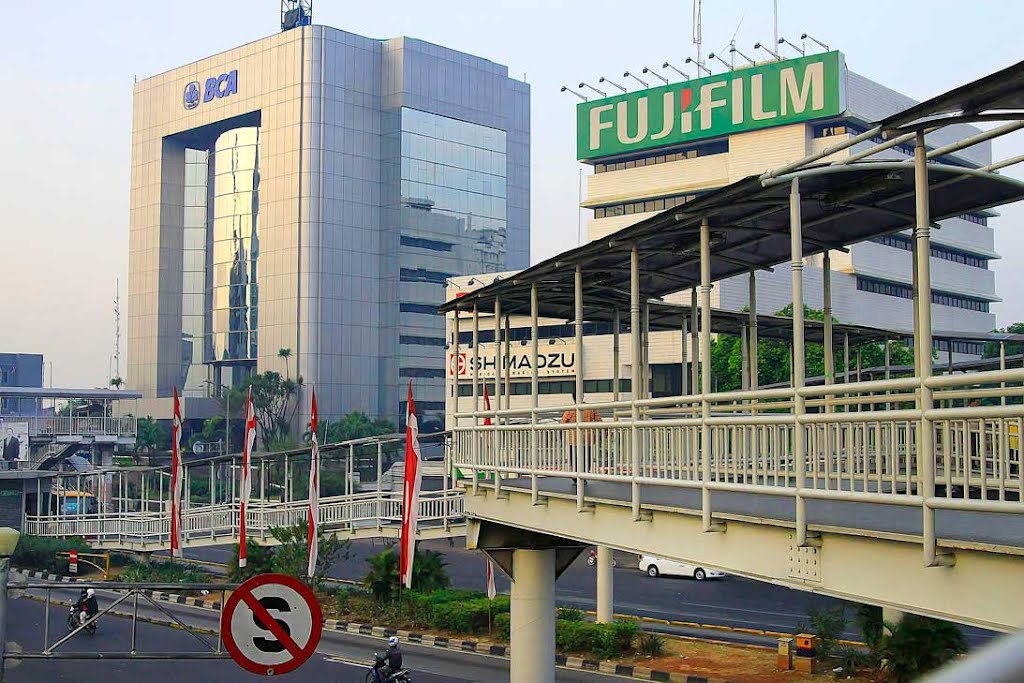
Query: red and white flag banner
pixel 313 514
pixel 410 492
pixel 246 489
pixel 487 404
pixel 491 590
pixel 177 476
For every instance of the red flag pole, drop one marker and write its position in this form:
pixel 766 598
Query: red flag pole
pixel 313 512
pixel 246 488
pixel 410 492
pixel 177 474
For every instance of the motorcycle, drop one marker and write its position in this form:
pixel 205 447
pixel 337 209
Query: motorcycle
pixel 592 559
pixel 74 621
pixel 374 675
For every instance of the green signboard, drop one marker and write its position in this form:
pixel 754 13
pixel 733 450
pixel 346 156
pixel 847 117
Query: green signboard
pixel 771 94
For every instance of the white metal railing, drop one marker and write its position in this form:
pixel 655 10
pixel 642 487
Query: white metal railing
pixel 66 425
pixel 220 521
pixel 861 443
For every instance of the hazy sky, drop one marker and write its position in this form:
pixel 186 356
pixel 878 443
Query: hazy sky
pixel 67 67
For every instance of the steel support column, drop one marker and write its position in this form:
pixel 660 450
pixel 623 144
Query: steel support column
pixel 475 486
pixel 796 248
pixel 923 348
pixel 752 327
pixel 532 627
pixel 581 459
pixel 634 341
pixel 616 356
pixel 534 393
pixel 499 362
pixel 708 524
pixel 694 342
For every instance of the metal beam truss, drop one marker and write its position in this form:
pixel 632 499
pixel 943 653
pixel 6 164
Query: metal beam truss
pixel 130 593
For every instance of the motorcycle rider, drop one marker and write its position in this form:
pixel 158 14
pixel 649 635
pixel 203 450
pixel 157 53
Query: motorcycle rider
pixel 391 662
pixel 87 606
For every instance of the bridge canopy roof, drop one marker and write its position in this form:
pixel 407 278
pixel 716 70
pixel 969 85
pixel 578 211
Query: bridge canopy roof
pixel 85 394
pixel 749 221
pixel 999 95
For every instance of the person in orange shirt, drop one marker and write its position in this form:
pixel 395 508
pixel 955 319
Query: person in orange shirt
pixel 586 415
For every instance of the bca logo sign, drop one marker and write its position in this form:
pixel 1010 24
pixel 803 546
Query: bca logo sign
pixel 216 87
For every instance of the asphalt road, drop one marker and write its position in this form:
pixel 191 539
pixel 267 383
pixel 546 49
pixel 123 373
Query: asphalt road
pixel 332 662
pixel 731 601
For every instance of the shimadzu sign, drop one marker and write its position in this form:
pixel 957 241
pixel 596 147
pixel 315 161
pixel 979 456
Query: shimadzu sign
pixel 771 94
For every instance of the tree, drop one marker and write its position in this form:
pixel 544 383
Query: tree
pixel 272 401
pixel 991 349
pixel 356 425
pixel 917 645
pixel 213 430
pixel 116 382
pixel 286 354
pixel 149 435
pixel 428 573
pixel 291 557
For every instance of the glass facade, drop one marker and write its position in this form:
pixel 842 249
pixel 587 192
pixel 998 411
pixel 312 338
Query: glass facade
pixel 457 169
pixel 234 247
pixel 193 286
pixel 453 216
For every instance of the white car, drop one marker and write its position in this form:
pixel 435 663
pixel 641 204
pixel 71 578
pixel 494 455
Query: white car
pixel 657 566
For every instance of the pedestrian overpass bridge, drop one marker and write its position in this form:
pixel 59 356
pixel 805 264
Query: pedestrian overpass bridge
pixel 904 492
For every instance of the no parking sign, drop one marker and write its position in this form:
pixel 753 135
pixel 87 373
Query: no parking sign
pixel 271 624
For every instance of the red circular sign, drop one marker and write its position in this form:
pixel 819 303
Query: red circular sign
pixel 271 624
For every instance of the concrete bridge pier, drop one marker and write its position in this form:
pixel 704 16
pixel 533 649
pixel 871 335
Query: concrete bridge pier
pixel 605 586
pixel 534 562
pixel 533 617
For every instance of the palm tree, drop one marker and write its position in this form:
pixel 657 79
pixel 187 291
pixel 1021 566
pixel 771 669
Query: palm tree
pixel 429 573
pixel 116 382
pixel 382 579
pixel 285 354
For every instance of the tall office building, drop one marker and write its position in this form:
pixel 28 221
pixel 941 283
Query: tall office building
pixel 659 148
pixel 313 191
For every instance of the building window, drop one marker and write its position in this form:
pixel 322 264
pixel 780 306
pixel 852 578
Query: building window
pixel 663 157
pixel 643 206
pixel 907 292
pixel 558 386
pixel 421 341
pixel 422 243
pixel 423 275
pixel 421 372
pixel 966 347
pixel 426 309
pixel 905 242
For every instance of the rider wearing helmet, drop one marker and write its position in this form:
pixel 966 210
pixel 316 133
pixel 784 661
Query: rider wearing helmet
pixel 87 605
pixel 391 662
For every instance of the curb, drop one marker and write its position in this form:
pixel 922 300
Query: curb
pixel 471 646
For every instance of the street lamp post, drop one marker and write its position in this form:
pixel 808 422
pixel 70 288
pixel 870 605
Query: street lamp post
pixel 8 542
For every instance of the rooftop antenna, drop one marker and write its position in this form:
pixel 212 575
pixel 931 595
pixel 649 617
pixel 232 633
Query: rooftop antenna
pixel 775 20
pixel 295 13
pixel 697 32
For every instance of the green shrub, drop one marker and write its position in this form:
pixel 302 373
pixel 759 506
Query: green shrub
pixel 163 572
pixel 460 611
pixel 606 641
pixel 828 625
pixel 651 644
pixel 503 626
pixel 40 552
pixel 570 614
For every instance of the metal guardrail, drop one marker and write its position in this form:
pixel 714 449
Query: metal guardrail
pixel 861 442
pixel 68 426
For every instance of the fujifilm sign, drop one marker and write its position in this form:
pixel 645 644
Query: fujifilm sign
pixel 771 94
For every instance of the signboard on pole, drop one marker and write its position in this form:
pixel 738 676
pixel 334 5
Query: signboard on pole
pixel 271 624
pixel 73 562
pixel 553 360
pixel 761 96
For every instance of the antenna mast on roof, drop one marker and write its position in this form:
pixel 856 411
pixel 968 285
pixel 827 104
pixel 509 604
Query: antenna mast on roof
pixel 696 32
pixel 295 13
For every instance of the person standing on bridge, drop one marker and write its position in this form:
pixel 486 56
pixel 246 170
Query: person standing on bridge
pixel 587 437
